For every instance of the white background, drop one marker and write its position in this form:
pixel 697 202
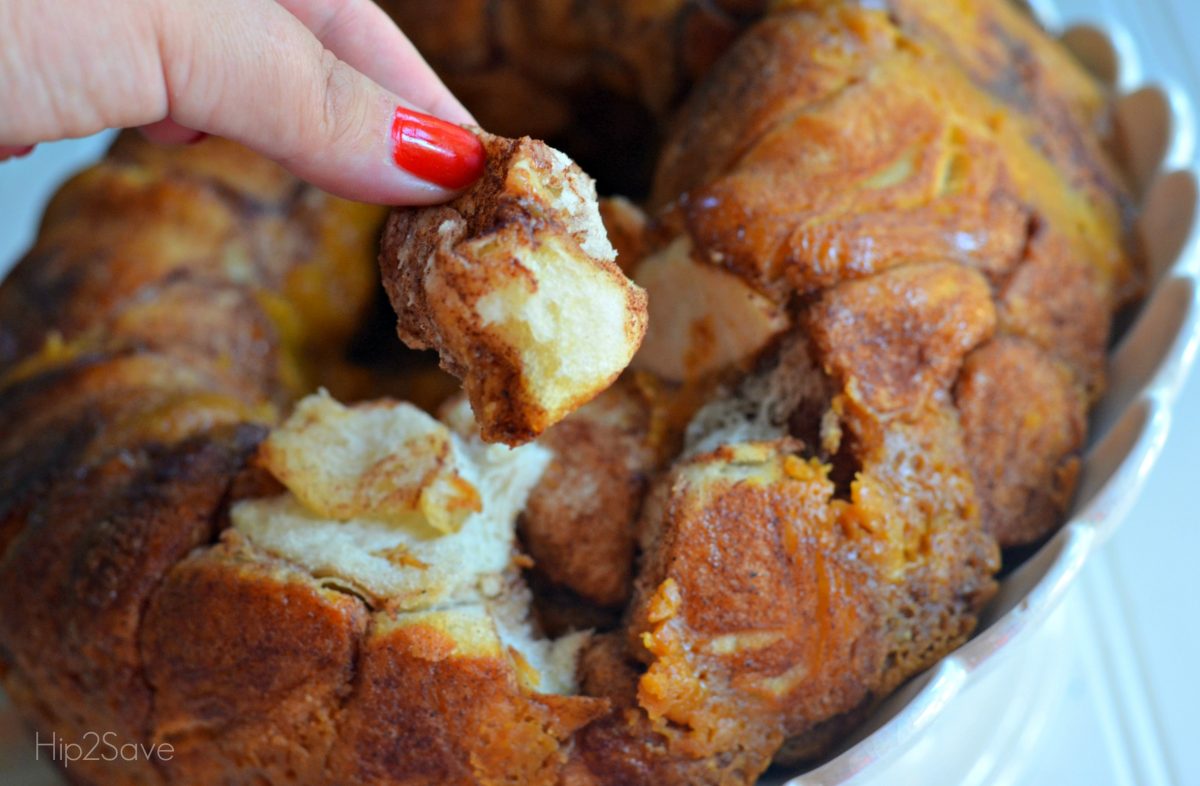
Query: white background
pixel 1130 713
pixel 1108 692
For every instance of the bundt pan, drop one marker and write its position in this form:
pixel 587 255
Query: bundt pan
pixel 293 243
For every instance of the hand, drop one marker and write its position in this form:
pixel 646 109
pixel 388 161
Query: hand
pixel 331 89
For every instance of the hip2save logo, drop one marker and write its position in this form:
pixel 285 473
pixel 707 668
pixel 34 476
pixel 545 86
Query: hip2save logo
pixel 97 746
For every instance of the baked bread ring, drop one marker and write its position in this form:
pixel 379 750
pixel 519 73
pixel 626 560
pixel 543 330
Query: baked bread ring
pixel 926 254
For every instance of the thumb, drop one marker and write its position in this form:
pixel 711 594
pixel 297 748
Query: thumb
pixel 250 71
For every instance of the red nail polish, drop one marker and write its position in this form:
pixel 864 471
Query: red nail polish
pixel 436 151
pixel 14 152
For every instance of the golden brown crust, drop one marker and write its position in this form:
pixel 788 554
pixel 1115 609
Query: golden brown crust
pixel 860 146
pixel 876 141
pixel 422 713
pixel 744 554
pixel 579 522
pixel 1004 51
pixel 1061 304
pixel 899 337
pixel 270 702
pixel 623 748
pixel 96 545
pixel 514 284
pixel 141 341
pixel 915 494
pixel 704 143
pixel 1024 423
pixel 321 690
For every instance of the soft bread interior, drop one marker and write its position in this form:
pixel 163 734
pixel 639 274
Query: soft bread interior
pixel 514 283
pixel 702 318
pixel 567 330
pixel 462 581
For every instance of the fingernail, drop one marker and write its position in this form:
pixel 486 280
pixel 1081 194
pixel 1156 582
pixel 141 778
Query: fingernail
pixel 436 151
pixel 15 152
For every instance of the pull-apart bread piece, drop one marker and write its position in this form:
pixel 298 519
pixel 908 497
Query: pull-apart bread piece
pixel 514 283
pixel 383 582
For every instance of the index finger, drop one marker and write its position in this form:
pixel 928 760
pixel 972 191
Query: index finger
pixel 361 34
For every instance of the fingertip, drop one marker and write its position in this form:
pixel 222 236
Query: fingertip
pixel 364 36
pixel 318 116
pixel 400 157
pixel 375 180
pixel 437 151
